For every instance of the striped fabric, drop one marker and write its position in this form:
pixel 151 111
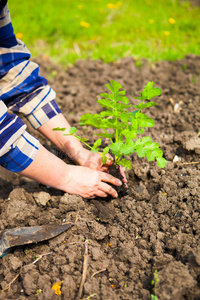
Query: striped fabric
pixel 23 91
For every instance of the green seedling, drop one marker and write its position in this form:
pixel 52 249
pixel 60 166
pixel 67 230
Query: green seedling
pixel 184 67
pixel 121 123
pixel 155 283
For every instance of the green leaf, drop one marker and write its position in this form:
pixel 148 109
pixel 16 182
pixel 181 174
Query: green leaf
pixel 144 120
pixel 97 143
pixel 105 150
pixel 105 135
pixel 150 155
pixel 124 117
pixel 59 129
pixel 161 162
pixel 94 150
pixel 72 130
pixel 145 105
pixel 146 139
pixel 158 152
pixel 110 113
pixel 104 160
pixel 149 92
pixel 92 120
pixel 121 106
pixel 140 131
pixel 116 148
pixel 129 134
pixel 153 146
pixel 121 148
pixel 115 86
pixel 125 163
pixel 141 151
pixel 122 92
pixel 106 102
pixel 121 98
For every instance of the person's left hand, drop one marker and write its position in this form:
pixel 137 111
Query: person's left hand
pixel 86 158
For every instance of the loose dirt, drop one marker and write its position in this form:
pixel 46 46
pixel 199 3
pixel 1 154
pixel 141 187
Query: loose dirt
pixel 155 227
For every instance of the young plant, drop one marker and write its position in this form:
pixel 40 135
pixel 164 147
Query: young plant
pixel 154 282
pixel 121 123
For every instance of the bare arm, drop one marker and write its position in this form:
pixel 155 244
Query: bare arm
pixel 48 169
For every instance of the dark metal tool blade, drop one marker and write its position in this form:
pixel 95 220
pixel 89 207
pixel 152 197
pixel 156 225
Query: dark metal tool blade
pixel 28 235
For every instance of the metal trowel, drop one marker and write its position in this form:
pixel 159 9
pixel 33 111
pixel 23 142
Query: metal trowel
pixel 28 235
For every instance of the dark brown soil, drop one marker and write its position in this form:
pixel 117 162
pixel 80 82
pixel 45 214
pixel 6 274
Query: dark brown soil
pixel 155 227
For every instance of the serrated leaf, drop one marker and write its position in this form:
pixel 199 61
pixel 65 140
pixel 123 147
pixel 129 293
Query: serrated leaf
pixel 142 130
pixel 106 103
pixel 141 151
pixel 59 129
pixel 150 91
pixel 110 113
pixel 144 120
pixel 161 162
pixel 146 139
pixel 105 150
pixel 124 117
pixel 119 97
pixel 145 105
pixel 111 123
pixel 150 155
pixel 122 92
pixel 138 142
pixel 153 146
pixel 129 134
pixel 116 148
pixel 120 149
pixel 96 143
pixel 104 160
pixel 125 163
pixel 72 130
pixel 109 87
pixel 121 106
pixel 92 120
pixel 116 86
pixel 158 152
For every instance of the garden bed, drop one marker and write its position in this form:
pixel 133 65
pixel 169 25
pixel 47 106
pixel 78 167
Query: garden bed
pixel 155 227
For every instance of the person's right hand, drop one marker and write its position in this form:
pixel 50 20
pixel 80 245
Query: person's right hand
pixel 90 183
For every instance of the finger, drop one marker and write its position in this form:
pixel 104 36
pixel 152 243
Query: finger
pixel 123 174
pixel 108 190
pixel 105 168
pixel 109 178
pixel 101 194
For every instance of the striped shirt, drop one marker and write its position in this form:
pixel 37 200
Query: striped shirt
pixel 22 91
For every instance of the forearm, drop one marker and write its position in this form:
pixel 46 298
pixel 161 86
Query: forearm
pixel 68 144
pixel 47 169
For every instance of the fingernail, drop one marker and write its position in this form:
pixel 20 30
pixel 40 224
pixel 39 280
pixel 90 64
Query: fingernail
pixel 119 182
pixel 116 195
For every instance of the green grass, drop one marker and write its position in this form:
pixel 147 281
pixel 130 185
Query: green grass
pixel 113 29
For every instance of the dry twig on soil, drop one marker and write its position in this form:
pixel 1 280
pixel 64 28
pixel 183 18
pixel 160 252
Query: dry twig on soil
pixel 95 273
pixel 85 266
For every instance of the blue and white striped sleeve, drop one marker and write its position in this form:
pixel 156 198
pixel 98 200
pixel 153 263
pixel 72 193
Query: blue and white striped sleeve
pixel 22 90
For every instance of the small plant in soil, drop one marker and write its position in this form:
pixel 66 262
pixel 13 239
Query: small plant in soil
pixel 155 283
pixel 121 123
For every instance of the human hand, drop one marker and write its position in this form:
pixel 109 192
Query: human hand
pixel 90 183
pixel 93 161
